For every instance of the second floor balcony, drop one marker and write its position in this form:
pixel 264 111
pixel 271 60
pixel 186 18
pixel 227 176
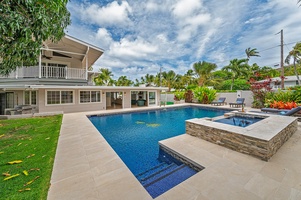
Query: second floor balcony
pixel 48 72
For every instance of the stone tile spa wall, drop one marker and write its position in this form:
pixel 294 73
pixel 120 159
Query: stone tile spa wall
pixel 260 148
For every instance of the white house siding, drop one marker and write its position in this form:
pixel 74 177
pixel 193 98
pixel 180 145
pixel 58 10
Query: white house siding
pixel 69 108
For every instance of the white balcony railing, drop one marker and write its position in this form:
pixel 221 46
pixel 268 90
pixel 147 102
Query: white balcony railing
pixel 47 72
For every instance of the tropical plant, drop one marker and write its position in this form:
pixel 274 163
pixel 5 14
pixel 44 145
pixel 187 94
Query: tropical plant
pixel 296 55
pixel 203 70
pixel 123 81
pixel 251 52
pixel 188 96
pixel 278 96
pixel 297 94
pixel 149 79
pixel 204 95
pixel 169 79
pixel 104 78
pixel 188 78
pixel 24 25
pixel 259 89
pixel 179 95
pixel 283 105
pixel 237 68
pixel 239 84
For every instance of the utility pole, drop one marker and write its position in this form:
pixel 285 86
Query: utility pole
pixel 281 60
pixel 160 76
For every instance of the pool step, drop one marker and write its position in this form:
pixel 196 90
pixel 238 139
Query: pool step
pixel 160 172
pixel 153 170
pixel 157 185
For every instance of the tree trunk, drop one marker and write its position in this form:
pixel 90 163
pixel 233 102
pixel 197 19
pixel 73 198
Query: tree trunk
pixel 232 83
pixel 296 72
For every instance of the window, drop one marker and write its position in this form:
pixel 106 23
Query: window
pixel 9 99
pixel 90 96
pixel 59 97
pixel 30 97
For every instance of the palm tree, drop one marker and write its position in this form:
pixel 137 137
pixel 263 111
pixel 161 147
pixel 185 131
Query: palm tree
pixel 237 68
pixel 169 79
pixel 149 79
pixel 296 55
pixel 203 70
pixel 123 81
pixel 104 78
pixel 269 72
pixel 251 52
pixel 188 78
pixel 299 1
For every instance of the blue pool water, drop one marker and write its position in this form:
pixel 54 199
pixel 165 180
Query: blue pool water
pixel 242 121
pixel 135 136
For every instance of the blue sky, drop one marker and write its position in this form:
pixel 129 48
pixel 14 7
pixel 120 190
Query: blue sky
pixel 140 37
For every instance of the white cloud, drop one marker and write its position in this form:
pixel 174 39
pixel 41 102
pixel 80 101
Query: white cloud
pixel 112 14
pixel 104 37
pixel 138 49
pixel 186 8
pixel 139 37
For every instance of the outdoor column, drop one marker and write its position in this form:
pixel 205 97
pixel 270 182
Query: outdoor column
pixel 87 63
pixel 40 64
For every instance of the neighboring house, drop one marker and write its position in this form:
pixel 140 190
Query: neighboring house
pixel 289 81
pixel 61 81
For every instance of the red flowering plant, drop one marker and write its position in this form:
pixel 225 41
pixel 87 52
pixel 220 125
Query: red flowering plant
pixel 282 105
pixel 259 90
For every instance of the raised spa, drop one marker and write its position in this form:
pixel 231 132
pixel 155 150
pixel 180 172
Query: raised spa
pixel 261 139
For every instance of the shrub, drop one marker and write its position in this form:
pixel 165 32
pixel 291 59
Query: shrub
pixel 239 84
pixel 283 96
pixel 260 90
pixel 179 95
pixel 204 95
pixel 282 105
pixel 188 96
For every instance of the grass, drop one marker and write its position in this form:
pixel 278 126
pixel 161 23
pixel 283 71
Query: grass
pixel 32 141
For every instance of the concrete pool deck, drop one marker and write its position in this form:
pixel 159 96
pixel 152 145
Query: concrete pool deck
pixel 86 167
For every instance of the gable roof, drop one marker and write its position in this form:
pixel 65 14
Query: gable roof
pixel 69 46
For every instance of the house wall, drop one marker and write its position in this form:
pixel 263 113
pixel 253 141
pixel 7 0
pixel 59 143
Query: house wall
pixel 69 108
pixel 80 107
pixel 286 84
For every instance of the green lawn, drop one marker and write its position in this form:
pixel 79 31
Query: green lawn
pixel 32 141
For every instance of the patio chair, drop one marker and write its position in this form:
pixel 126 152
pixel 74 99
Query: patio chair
pixel 283 112
pixel 273 110
pixel 239 102
pixel 219 102
pixel 291 112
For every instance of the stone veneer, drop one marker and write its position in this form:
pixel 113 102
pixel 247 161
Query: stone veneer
pixel 261 139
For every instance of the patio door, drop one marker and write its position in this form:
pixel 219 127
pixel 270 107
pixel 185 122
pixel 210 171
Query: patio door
pixel 151 98
pixel 2 103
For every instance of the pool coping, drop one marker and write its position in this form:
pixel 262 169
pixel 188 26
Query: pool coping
pixel 261 139
pixel 86 167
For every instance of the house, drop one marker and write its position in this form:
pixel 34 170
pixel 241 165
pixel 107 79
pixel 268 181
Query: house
pixel 289 81
pixel 61 81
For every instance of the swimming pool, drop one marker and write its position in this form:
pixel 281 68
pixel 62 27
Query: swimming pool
pixel 134 136
pixel 242 121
